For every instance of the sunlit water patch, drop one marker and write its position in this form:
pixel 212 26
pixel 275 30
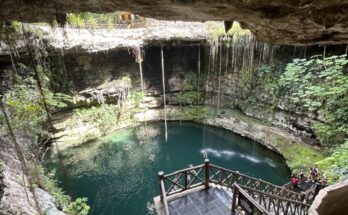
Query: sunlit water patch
pixel 118 173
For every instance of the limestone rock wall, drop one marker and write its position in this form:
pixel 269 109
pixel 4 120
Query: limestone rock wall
pixel 114 75
pixel 17 198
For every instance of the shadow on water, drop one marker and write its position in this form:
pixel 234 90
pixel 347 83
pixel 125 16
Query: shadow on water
pixel 118 173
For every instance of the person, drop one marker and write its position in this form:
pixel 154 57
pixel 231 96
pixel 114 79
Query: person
pixel 301 174
pixel 294 181
pixel 311 175
pixel 314 174
pixel 205 155
pixel 323 181
pixel 152 157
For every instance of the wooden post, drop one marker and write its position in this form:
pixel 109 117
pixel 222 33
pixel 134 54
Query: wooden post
pixel 234 198
pixel 206 175
pixel 161 177
pixel 185 174
pixel 278 206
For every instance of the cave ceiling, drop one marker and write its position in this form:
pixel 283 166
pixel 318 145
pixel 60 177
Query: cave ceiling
pixel 294 22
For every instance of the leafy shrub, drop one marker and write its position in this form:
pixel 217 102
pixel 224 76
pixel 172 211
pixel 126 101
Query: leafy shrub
pixel 104 116
pixel 189 98
pixel 336 165
pixel 320 86
pixel 329 135
pixel 79 207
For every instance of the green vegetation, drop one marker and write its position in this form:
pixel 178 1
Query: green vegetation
pixel 28 100
pixel 46 182
pixel 192 113
pixel 94 20
pixel 318 86
pixel 104 116
pixel 336 166
pixel 136 98
pixel 189 98
pixel 314 86
pixel 79 207
pixel 188 94
pixel 321 86
pixel 217 29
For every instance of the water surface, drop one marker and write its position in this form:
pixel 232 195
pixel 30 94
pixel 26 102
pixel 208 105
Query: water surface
pixel 118 173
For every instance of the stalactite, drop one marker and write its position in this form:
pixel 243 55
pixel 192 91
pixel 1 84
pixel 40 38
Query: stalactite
pixel 294 54
pixel 21 157
pixel 139 59
pixel 208 75
pixel 62 64
pixel 305 52
pixel 14 67
pixel 233 55
pixel 251 53
pixel 219 75
pixel 243 59
pixel 164 96
pixel 227 57
pixel 199 68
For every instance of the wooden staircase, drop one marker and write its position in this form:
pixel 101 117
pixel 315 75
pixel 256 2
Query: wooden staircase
pixel 248 194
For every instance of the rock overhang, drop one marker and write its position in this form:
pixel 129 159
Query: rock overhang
pixel 294 22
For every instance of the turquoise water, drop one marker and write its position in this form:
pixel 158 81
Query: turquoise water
pixel 118 173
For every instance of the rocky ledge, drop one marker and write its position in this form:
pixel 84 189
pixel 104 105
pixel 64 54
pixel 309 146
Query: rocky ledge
pixel 293 149
pixel 94 40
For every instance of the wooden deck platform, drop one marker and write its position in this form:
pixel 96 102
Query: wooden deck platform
pixel 212 201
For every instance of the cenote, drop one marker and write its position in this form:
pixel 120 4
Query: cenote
pixel 118 173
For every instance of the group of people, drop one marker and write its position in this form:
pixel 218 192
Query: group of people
pixel 311 178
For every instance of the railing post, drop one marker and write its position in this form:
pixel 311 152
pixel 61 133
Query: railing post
pixel 185 174
pixel 234 198
pixel 206 173
pixel 161 177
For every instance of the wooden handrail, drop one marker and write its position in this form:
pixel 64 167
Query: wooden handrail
pixel 278 197
pixel 280 205
pixel 258 183
pixel 238 189
pixel 163 193
pixel 183 170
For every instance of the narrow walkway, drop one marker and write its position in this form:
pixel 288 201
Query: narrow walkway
pixel 212 201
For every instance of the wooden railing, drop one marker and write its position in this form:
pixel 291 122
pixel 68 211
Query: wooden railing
pixel 309 195
pixel 275 204
pixel 162 189
pixel 245 201
pixel 226 177
pixel 281 199
pixel 185 179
